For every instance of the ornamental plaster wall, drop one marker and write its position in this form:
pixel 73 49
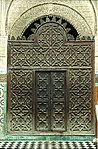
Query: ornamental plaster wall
pixel 79 13
pixel 60 10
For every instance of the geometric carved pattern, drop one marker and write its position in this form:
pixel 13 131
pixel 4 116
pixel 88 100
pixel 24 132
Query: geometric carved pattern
pixel 58 85
pixel 21 55
pixel 50 56
pixel 21 80
pixel 58 117
pixel 50 101
pixel 42 116
pixel 50 35
pixel 21 100
pixel 1 107
pixel 58 121
pixel 42 98
pixel 80 100
pixel 61 56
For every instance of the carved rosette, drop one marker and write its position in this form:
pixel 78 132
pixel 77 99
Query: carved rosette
pixel 50 30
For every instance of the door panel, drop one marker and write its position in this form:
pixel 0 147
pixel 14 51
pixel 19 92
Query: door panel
pixel 58 85
pixel 50 101
pixel 58 101
pixel 42 81
pixel 42 116
pixel 58 122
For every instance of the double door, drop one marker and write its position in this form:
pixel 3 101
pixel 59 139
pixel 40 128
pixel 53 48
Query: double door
pixel 50 101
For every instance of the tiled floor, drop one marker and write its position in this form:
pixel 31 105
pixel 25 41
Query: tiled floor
pixel 47 145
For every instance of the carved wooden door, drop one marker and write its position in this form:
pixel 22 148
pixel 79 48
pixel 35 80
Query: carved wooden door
pixel 39 97
pixel 50 101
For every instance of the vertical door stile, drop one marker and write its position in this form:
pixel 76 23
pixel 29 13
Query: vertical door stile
pixel 49 103
pixel 8 100
pixel 65 100
pixel 52 101
pixel 35 116
pixel 33 100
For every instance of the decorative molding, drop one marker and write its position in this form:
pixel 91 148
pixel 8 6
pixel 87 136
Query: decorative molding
pixel 81 38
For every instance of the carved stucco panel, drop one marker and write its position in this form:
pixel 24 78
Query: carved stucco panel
pixel 69 14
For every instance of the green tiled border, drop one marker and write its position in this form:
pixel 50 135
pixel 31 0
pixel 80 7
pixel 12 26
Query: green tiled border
pixel 47 138
pixel 4 108
pixel 3 85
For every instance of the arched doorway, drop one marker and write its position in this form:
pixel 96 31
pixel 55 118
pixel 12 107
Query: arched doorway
pixel 50 80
